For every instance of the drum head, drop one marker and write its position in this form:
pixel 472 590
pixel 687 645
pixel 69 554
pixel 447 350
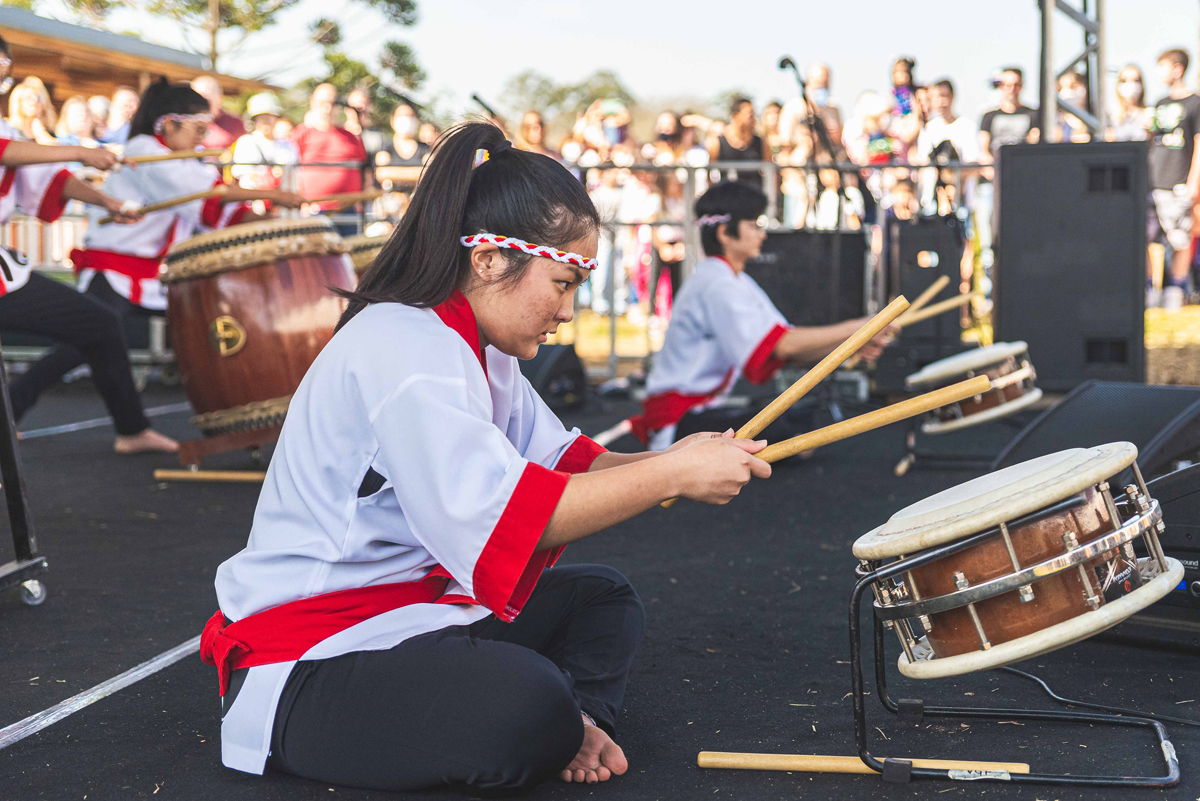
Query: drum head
pixel 959 364
pixel 1049 639
pixel 994 413
pixel 994 498
pixel 240 246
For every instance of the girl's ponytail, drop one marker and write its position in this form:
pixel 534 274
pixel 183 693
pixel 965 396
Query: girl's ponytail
pixel 511 193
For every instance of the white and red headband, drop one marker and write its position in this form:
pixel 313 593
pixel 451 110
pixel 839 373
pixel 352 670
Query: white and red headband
pixel 562 256
pixel 205 118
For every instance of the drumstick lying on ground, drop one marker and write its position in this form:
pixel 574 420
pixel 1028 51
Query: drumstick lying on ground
pixel 175 154
pixel 175 201
pixel 348 197
pixel 929 294
pixel 818 373
pixel 820 763
pixel 876 419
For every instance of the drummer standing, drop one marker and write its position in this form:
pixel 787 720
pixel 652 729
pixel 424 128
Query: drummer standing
pixel 723 326
pixel 119 265
pixel 395 621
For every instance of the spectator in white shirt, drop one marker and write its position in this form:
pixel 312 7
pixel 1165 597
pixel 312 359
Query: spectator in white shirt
pixel 257 157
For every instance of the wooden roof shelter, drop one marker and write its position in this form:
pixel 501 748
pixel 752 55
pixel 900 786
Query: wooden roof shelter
pixel 74 60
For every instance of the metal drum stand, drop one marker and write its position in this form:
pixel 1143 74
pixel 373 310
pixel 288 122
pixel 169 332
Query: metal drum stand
pixel 27 564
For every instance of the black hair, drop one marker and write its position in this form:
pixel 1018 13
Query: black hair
pixel 514 193
pixel 945 83
pixel 735 105
pixel 740 201
pixel 1015 71
pixel 163 97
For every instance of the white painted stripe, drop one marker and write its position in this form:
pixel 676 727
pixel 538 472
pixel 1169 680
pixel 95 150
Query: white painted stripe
pixel 82 425
pixel 40 720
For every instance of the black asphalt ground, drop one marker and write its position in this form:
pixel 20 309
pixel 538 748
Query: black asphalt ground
pixel 744 651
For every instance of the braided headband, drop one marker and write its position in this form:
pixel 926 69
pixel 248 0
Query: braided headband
pixel 713 219
pixel 158 124
pixel 562 256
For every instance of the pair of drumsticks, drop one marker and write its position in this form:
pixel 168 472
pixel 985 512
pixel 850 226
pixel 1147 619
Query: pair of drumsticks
pixel 855 425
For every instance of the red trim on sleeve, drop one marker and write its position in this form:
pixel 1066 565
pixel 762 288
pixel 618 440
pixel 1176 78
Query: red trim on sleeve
pixel 10 175
pixel 508 568
pixel 579 456
pixel 53 201
pixel 210 212
pixel 3 146
pixel 762 364
pixel 238 215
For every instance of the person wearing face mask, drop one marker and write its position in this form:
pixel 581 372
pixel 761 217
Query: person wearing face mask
pixel 1072 89
pixel 404 149
pixel 1129 118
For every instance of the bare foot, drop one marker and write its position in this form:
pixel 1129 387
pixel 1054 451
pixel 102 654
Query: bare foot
pixel 599 758
pixel 148 440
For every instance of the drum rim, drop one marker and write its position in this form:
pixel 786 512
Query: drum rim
pixel 244 233
pixel 1077 469
pixel 971 360
pixel 1051 638
pixel 996 412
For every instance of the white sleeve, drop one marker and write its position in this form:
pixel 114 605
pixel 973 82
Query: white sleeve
pixel 542 438
pixel 245 154
pixel 164 180
pixel 745 335
pixel 37 189
pixel 468 496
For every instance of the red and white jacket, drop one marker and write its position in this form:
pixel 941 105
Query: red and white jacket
pixel 722 325
pixel 34 190
pixel 412 481
pixel 129 256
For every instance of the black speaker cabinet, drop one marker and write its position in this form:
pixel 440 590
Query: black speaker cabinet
pixel 918 252
pixel 1071 259
pixel 557 375
pixel 1163 422
pixel 796 269
pixel 1178 494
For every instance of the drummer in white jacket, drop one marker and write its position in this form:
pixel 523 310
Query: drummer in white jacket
pixel 119 265
pixel 37 184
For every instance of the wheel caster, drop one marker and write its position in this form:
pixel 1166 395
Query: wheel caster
pixel 33 592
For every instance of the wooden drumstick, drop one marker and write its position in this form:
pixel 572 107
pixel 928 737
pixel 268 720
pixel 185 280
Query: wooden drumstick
pixel 876 419
pixel 938 308
pixel 231 476
pixel 818 373
pixel 175 154
pixel 929 294
pixel 347 197
pixel 820 763
pixel 216 191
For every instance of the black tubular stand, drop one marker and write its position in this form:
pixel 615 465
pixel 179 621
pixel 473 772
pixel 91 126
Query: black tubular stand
pixel 899 770
pixel 27 564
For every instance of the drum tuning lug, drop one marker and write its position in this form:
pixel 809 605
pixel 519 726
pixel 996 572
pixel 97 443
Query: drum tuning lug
pixel 1070 541
pixel 960 581
pixel 1025 593
pixel 926 623
pixel 1161 527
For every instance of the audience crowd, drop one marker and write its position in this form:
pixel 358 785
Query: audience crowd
pixel 894 156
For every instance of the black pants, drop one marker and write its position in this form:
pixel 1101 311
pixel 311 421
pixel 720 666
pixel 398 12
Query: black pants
pixel 91 333
pixel 493 706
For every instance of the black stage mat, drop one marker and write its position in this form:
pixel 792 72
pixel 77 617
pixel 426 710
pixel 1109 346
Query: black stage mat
pixel 744 651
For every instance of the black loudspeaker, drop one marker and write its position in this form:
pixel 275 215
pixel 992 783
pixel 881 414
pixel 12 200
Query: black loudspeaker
pixel 1071 259
pixel 920 251
pixel 796 270
pixel 558 376
pixel 1178 494
pixel 1163 422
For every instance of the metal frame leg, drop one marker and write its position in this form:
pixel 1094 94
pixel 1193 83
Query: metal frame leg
pixel 28 565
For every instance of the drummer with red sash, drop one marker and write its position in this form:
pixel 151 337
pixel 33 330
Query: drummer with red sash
pixel 724 326
pixel 396 620
pixel 119 265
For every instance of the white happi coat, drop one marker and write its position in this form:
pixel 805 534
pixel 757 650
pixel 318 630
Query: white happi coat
pixel 34 190
pixel 465 460
pixel 722 325
pixel 153 235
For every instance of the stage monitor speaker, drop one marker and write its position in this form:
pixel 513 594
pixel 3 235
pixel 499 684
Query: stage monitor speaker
pixel 919 251
pixel 1163 422
pixel 796 270
pixel 1071 259
pixel 557 375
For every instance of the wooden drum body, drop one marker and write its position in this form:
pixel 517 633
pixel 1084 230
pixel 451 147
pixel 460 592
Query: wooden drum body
pixel 250 307
pixel 1019 562
pixel 1005 363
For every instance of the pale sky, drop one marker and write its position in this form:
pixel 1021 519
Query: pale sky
pixel 665 48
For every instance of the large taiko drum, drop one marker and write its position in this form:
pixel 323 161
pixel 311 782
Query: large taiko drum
pixel 363 249
pixel 1019 562
pixel 250 307
pixel 1005 363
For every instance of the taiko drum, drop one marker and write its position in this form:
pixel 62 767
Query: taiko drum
pixel 250 307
